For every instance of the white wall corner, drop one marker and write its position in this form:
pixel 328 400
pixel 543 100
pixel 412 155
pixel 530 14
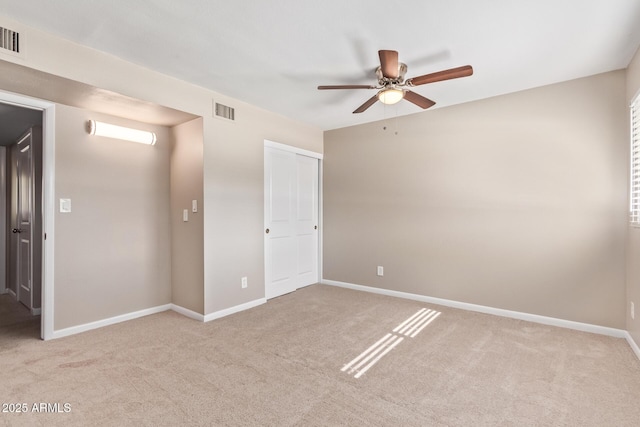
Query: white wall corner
pixel 235 309
pixel 633 344
pixel 188 313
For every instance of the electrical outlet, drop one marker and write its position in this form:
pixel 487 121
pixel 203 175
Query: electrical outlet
pixel 633 311
pixel 380 271
pixel 244 282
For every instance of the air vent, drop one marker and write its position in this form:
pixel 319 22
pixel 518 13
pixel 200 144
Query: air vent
pixel 9 41
pixel 225 112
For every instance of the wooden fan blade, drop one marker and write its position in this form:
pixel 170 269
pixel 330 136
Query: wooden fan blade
pixel 419 100
pixel 453 73
pixel 366 105
pixel 346 87
pixel 389 63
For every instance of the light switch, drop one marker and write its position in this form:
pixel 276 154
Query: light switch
pixel 65 205
pixel 194 206
pixel 185 215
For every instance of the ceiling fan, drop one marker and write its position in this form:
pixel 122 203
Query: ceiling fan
pixel 391 82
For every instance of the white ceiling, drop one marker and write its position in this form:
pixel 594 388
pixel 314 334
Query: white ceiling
pixel 274 53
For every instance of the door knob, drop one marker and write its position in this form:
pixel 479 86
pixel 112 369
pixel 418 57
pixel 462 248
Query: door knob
pixel 16 230
pixel 315 227
pixel 267 231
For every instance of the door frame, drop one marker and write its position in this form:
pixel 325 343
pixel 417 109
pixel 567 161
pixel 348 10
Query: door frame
pixel 3 222
pixel 48 201
pixel 319 157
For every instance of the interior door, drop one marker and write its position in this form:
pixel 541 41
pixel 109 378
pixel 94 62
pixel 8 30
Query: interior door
pixel 306 217
pixel 291 221
pixel 279 223
pixel 23 220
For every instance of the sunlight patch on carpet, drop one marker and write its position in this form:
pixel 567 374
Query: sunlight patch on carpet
pixel 409 328
pixel 416 323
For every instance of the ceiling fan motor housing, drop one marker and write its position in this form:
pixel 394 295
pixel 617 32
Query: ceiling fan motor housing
pixel 386 81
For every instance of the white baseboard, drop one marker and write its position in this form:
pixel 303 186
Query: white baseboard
pixel 236 309
pixel 110 321
pixel 552 321
pixel 178 309
pixel 188 313
pixel 633 344
pixel 218 314
pixel 36 311
pixel 4 291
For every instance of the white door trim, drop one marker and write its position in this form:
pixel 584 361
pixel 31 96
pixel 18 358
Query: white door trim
pixel 3 220
pixel 320 223
pixel 292 149
pixel 48 200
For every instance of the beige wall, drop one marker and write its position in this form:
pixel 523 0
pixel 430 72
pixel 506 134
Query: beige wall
pixel 112 251
pixel 515 202
pixel 633 238
pixel 234 190
pixel 187 241
pixel 232 183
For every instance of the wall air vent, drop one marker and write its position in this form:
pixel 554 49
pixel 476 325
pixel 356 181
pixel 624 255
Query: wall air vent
pixel 224 112
pixel 10 41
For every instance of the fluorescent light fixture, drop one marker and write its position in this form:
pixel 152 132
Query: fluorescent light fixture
pixel 390 96
pixel 120 132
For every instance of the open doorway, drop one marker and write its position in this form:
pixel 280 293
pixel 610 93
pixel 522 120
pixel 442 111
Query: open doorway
pixel 50 94
pixel 21 220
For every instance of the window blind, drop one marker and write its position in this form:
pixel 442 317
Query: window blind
pixel 635 163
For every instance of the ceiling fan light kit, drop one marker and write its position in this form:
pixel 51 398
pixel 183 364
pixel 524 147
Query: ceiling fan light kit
pixel 391 80
pixel 390 96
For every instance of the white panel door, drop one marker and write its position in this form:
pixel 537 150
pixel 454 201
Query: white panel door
pixel 279 190
pixel 291 221
pixel 23 221
pixel 306 220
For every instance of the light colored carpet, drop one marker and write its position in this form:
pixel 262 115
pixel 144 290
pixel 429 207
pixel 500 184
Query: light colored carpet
pixel 280 364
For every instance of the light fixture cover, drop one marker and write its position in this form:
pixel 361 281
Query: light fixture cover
pixel 390 96
pixel 120 132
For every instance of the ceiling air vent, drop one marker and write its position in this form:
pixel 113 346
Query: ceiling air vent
pixel 9 41
pixel 225 112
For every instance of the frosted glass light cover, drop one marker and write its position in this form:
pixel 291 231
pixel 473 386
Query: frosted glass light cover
pixel 390 96
pixel 120 132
